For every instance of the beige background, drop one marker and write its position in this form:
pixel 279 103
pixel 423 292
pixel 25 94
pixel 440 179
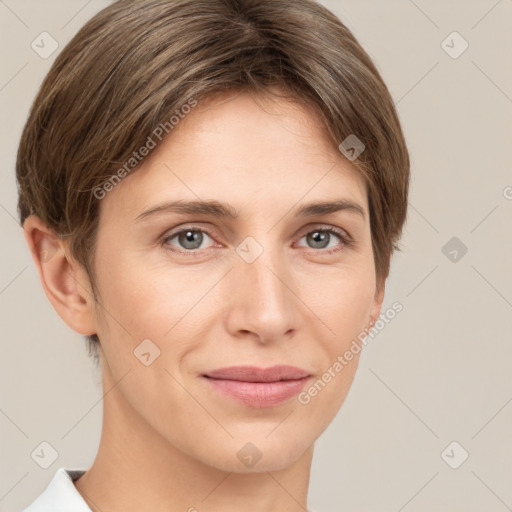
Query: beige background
pixel 439 372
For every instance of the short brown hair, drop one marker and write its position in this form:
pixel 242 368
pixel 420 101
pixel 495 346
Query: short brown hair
pixel 135 63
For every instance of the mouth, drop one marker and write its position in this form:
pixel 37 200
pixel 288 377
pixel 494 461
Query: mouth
pixel 258 387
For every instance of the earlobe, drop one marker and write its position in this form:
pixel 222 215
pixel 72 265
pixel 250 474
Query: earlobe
pixel 377 302
pixel 64 281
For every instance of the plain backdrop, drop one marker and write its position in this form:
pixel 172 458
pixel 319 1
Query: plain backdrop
pixel 435 385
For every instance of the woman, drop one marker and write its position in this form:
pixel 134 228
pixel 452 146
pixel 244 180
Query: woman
pixel 212 191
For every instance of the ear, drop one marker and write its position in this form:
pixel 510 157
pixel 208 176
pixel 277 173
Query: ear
pixel 64 281
pixel 377 301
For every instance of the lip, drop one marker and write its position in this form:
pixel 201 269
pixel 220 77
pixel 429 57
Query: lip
pixel 258 387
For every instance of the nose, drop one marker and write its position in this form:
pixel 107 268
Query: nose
pixel 261 299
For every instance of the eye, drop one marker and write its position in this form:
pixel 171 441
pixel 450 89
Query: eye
pixel 320 239
pixel 189 239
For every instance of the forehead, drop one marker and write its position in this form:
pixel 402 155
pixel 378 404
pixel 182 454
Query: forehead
pixel 244 150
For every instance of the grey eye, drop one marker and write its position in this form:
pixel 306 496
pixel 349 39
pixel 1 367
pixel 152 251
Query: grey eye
pixel 188 239
pixel 319 239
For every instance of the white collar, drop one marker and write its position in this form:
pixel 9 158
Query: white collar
pixel 60 495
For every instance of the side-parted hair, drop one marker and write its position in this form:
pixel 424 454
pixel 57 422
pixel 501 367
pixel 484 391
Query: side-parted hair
pixel 136 64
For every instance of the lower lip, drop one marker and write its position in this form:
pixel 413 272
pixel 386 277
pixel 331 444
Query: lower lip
pixel 259 394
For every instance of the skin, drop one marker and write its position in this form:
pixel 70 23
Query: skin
pixel 169 442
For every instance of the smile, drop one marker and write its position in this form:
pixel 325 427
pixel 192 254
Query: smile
pixel 257 387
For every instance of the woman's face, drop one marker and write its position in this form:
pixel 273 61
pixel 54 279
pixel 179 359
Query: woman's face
pixel 262 287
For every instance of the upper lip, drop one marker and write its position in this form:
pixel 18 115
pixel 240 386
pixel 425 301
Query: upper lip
pixel 255 374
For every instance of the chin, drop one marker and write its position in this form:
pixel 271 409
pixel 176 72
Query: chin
pixel 257 454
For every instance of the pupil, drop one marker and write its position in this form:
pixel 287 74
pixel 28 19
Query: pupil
pixel 190 239
pixel 319 237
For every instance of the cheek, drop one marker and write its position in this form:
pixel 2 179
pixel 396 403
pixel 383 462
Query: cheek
pixel 343 304
pixel 341 298
pixel 164 304
pixel 139 304
pixel 133 294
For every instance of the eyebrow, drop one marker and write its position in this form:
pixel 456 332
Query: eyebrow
pixel 224 210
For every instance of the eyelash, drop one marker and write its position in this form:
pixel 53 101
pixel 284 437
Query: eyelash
pixel 343 236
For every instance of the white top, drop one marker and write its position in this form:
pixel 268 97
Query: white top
pixel 61 495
